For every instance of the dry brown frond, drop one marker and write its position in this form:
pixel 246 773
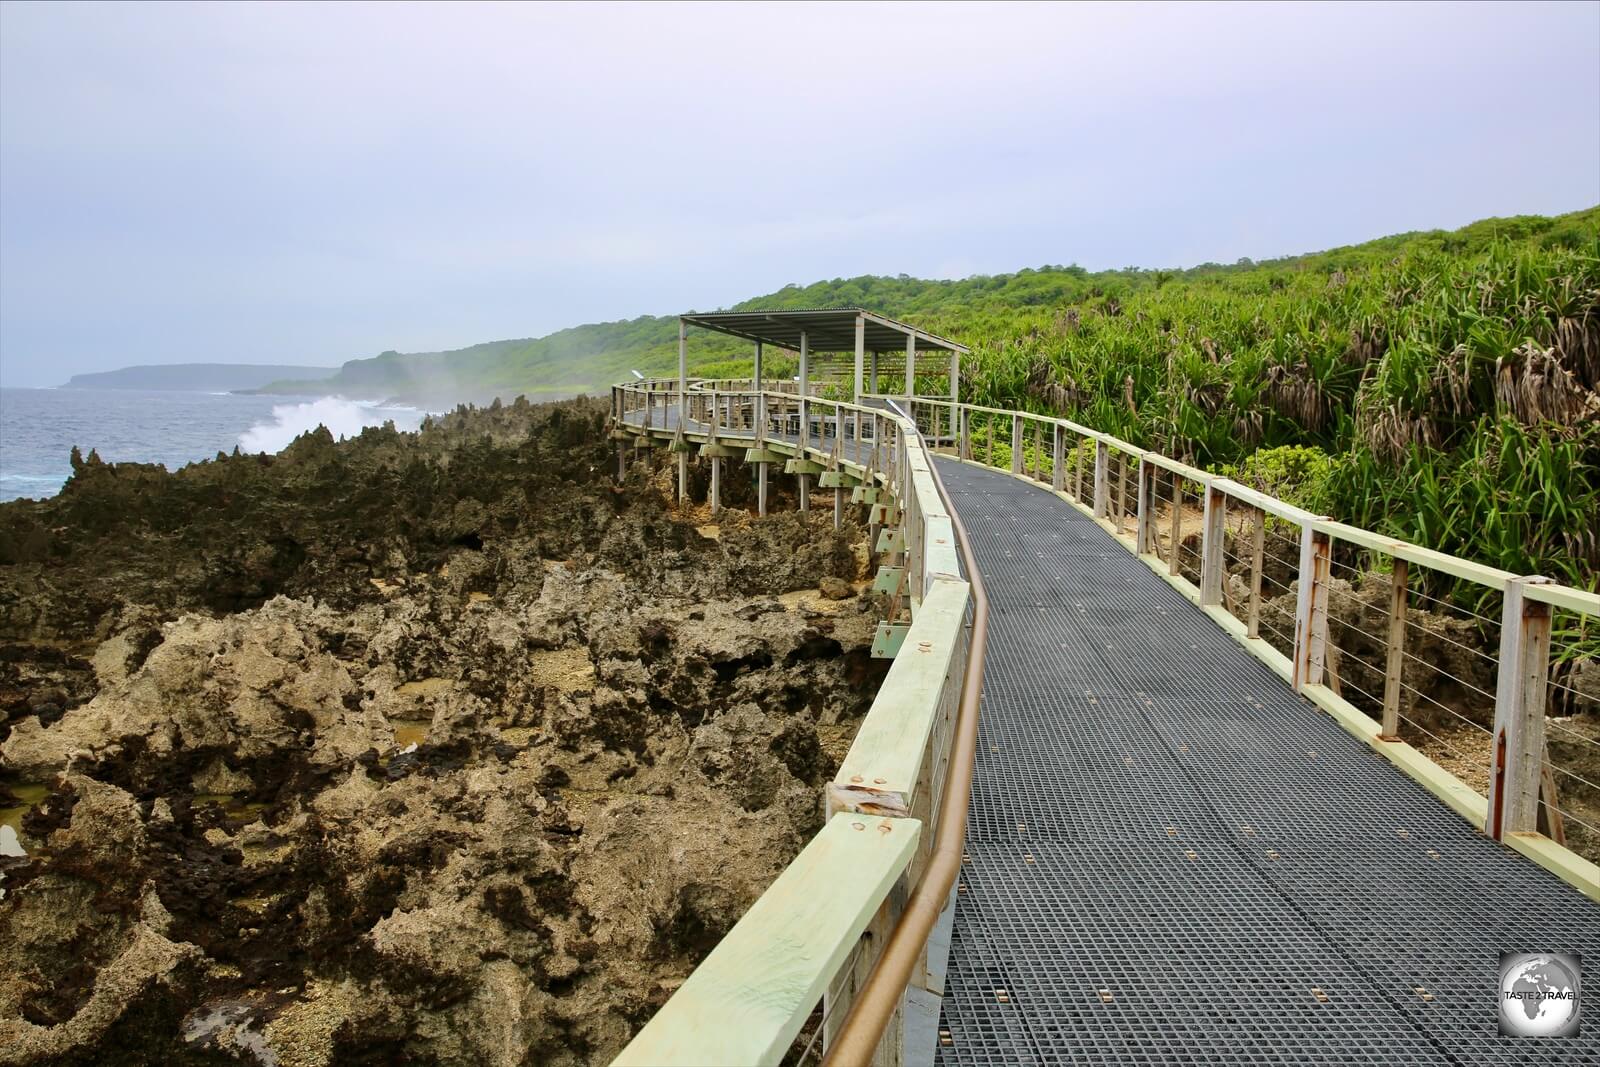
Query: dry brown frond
pixel 1295 394
pixel 1389 432
pixel 1578 346
pixel 1044 384
pixel 1366 346
pixel 1534 388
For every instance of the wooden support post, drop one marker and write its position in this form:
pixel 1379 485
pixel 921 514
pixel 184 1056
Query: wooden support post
pixel 716 484
pixel 1258 559
pixel 872 384
pixel 805 493
pixel 1394 667
pixel 761 488
pixel 1175 564
pixel 1515 775
pixel 989 461
pixel 1122 488
pixel 1016 444
pixel 1038 453
pixel 1077 485
pixel 838 508
pixel 1144 525
pixel 1311 608
pixel 1102 494
pixel 1212 569
pixel 683 472
pixel 966 433
pixel 1058 474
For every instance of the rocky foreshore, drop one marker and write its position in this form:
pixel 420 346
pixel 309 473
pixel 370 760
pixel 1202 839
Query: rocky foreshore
pixel 431 747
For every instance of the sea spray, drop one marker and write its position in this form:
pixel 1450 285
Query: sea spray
pixel 343 418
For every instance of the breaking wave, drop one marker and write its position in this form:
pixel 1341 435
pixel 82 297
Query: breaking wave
pixel 343 418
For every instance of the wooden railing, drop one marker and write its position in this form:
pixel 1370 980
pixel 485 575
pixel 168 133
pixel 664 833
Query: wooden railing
pixel 1146 498
pixel 816 934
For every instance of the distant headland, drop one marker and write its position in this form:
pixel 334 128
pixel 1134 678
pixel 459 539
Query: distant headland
pixel 196 377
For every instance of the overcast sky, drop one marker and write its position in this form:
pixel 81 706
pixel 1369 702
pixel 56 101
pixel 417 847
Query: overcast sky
pixel 317 183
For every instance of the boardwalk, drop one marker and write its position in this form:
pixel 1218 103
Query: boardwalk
pixel 1172 858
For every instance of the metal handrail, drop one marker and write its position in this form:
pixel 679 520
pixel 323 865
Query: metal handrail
pixel 878 998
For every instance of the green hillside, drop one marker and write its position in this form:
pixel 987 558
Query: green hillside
pixel 1439 386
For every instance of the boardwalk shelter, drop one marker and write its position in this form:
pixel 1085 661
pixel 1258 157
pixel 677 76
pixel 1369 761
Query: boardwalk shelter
pixel 876 340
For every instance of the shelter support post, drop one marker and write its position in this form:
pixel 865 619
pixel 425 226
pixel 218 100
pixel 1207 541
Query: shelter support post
pixel 683 409
pixel 861 353
pixel 911 367
pixel 760 403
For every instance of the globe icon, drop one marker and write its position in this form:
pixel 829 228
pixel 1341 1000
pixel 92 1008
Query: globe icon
pixel 1539 996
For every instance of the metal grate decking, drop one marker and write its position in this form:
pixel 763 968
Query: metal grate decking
pixel 1172 858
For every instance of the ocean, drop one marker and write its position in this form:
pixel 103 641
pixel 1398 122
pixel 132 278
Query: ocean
pixel 38 428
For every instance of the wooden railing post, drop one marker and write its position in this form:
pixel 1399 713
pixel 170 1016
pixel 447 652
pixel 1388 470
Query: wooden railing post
pixel 1102 502
pixel 1518 751
pixel 1395 664
pixel 1038 453
pixel 1016 444
pixel 1077 483
pixel 1212 533
pixel 989 459
pixel 1175 564
pixel 1058 455
pixel 1143 535
pixel 1258 559
pixel 966 433
pixel 1311 608
pixel 1122 488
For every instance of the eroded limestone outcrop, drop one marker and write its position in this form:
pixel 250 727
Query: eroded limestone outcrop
pixel 473 774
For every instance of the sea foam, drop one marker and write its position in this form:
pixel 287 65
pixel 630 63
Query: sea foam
pixel 343 418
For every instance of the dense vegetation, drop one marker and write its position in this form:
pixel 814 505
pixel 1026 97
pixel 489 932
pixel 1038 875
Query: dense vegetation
pixel 1443 387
